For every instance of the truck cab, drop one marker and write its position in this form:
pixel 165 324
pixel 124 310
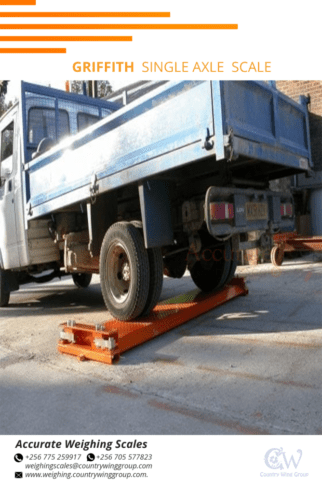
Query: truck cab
pixel 10 187
pixel 41 119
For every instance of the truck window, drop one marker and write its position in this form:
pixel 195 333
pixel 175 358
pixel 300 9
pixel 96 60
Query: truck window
pixel 106 112
pixel 84 120
pixel 7 142
pixel 41 124
pixel 6 163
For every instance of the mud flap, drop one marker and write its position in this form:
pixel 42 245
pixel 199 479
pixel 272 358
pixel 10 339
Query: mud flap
pixel 156 213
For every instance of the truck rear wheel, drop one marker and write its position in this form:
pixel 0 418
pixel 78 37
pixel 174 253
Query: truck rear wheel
pixel 124 271
pixel 156 274
pixel 233 267
pixel 4 295
pixel 82 280
pixel 175 265
pixel 213 268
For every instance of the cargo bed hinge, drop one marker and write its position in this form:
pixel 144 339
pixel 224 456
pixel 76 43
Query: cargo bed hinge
pixel 230 139
pixel 93 188
pixel 29 209
pixel 209 142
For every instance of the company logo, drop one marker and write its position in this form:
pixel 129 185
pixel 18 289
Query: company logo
pixel 283 464
pixel 276 458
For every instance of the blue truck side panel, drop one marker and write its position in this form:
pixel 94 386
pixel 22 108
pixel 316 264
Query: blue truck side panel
pixel 177 124
pixel 131 137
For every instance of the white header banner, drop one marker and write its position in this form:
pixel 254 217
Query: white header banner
pixel 211 40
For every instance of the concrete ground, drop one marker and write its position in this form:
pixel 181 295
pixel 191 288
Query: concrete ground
pixel 252 366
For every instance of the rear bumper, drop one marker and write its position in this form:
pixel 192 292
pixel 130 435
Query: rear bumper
pixel 243 199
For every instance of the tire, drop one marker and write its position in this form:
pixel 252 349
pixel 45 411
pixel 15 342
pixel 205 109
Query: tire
pixel 4 295
pixel 233 267
pixel 211 272
pixel 277 256
pixel 124 271
pixel 156 274
pixel 82 280
pixel 175 265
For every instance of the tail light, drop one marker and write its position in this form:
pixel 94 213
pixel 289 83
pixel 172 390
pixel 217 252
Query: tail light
pixel 220 211
pixel 286 210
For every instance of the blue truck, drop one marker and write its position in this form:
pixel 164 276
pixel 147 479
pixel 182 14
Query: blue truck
pixel 177 179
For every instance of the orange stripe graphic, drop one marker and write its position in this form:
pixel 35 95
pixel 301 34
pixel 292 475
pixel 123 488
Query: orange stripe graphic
pixel 119 26
pixel 32 50
pixel 18 2
pixel 65 38
pixel 84 14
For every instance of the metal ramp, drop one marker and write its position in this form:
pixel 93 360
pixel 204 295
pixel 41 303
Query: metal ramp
pixel 106 342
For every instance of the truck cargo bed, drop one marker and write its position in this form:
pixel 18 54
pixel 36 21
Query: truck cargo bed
pixel 258 130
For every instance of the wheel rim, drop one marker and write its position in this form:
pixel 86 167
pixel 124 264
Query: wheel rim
pixel 277 256
pixel 119 272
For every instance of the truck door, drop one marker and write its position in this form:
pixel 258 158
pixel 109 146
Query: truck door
pixel 8 171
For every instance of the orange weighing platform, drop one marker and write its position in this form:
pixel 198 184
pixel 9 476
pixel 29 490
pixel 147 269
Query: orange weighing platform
pixel 105 342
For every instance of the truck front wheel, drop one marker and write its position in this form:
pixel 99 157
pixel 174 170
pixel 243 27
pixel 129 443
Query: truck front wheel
pixel 124 271
pixel 4 294
pixel 156 274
